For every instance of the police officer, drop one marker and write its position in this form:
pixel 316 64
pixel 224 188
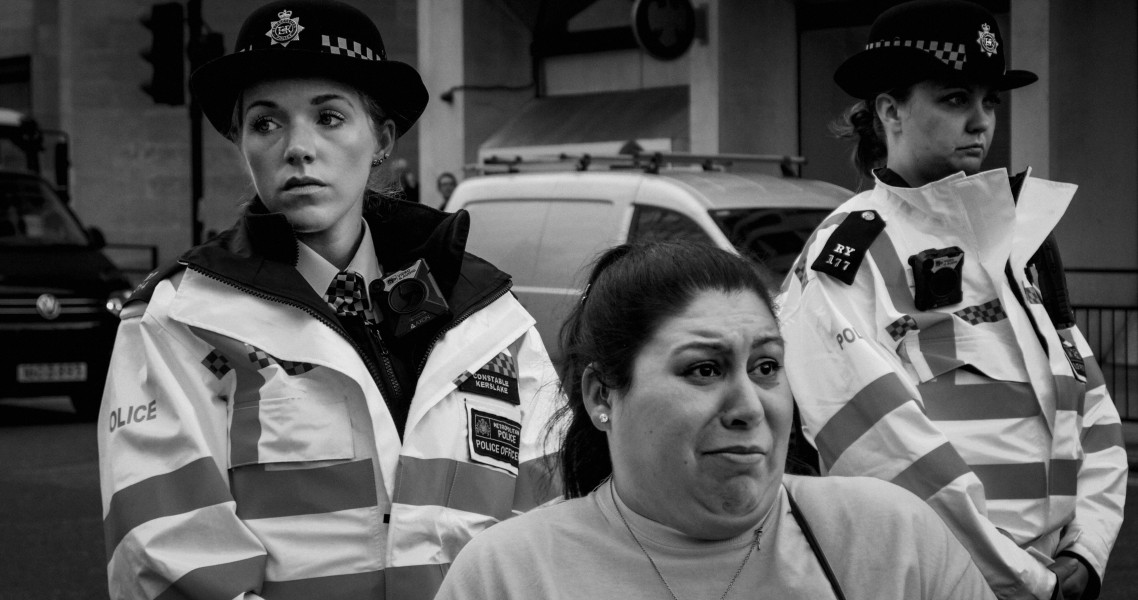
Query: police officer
pixel 330 398
pixel 919 346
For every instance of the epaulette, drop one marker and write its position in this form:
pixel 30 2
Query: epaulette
pixel 145 288
pixel 848 244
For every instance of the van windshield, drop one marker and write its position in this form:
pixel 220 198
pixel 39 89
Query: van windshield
pixel 774 236
pixel 31 214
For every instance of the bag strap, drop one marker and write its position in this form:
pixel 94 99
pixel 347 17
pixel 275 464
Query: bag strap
pixel 810 539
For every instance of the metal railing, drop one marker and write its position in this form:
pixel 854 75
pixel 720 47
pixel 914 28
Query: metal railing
pixel 1112 332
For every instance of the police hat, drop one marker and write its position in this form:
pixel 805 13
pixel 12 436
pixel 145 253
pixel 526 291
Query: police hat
pixel 310 38
pixel 927 39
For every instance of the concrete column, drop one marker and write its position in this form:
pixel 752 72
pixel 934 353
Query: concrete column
pixel 441 130
pixel 744 86
pixel 1030 127
pixel 704 86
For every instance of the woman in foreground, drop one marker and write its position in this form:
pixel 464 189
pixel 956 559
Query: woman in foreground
pixel 673 461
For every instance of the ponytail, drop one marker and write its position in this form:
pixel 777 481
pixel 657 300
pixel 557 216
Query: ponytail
pixel 859 122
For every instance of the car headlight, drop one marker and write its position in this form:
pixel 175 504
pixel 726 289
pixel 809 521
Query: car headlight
pixel 115 301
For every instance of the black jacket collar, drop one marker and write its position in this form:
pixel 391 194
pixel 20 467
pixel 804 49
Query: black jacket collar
pixel 259 253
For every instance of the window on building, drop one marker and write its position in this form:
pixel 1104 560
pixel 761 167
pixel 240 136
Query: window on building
pixel 16 83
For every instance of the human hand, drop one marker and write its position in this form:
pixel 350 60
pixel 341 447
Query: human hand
pixel 1071 577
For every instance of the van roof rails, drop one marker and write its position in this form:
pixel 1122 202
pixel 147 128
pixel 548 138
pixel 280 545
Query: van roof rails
pixel 649 162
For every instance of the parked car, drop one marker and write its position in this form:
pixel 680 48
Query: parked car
pixel 545 228
pixel 59 294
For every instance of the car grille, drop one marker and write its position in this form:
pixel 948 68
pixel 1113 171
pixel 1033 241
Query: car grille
pixel 74 313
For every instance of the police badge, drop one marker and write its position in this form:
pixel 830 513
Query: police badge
pixel 285 30
pixel 987 40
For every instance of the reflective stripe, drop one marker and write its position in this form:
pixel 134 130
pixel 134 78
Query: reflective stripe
pixel 537 482
pixel 245 430
pixel 1024 481
pixel 932 472
pixel 881 397
pixel 417 582
pixel 454 484
pixel 884 255
pixel 946 400
pixel 219 581
pixel 332 587
pixel 1064 480
pixel 1097 438
pixel 190 487
pixel 1070 394
pixel 263 494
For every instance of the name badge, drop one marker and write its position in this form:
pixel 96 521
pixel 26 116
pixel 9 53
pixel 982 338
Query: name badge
pixel 497 379
pixel 1077 365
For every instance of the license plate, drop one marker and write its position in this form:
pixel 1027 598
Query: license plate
pixel 51 372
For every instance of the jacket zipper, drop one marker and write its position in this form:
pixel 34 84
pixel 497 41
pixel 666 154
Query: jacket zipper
pixel 385 357
pixel 371 367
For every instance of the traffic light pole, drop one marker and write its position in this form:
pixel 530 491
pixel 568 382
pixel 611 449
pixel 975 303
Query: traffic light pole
pixel 194 20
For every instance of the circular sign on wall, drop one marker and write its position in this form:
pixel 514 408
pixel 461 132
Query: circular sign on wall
pixel 664 28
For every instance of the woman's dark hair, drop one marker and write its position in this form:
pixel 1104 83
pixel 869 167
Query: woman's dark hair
pixel 860 122
pixel 632 289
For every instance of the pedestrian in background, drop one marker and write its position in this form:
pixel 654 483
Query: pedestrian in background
pixel 446 184
pixel 330 398
pixel 923 343
pixel 408 181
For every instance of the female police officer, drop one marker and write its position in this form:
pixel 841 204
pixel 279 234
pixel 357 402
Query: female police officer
pixel 917 344
pixel 337 397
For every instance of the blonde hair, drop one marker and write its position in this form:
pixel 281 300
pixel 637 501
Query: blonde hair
pixel 382 181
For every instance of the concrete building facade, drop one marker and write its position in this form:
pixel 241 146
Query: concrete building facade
pixel 542 74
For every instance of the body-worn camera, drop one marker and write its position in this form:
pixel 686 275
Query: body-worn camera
pixel 937 276
pixel 411 299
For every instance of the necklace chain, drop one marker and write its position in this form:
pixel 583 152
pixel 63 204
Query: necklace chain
pixel 751 550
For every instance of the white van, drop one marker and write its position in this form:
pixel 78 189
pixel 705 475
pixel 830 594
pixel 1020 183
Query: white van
pixel 544 229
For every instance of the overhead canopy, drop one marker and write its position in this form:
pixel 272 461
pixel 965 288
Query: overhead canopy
pixel 656 118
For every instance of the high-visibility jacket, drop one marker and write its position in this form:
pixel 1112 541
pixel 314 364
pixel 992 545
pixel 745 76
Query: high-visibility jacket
pixel 982 408
pixel 246 447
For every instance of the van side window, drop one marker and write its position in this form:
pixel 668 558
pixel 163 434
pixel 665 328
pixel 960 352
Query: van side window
pixel 541 242
pixel 652 223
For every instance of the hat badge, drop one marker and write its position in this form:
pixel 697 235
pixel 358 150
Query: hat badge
pixel 987 40
pixel 285 30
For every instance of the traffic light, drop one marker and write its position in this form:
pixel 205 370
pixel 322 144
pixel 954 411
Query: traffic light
pixel 166 54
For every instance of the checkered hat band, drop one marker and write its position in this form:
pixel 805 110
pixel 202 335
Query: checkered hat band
pixel 503 364
pixel 950 54
pixel 339 46
pixel 346 47
pixel 346 294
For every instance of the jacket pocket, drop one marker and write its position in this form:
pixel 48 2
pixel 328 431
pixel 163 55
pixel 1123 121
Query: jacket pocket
pixel 283 430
